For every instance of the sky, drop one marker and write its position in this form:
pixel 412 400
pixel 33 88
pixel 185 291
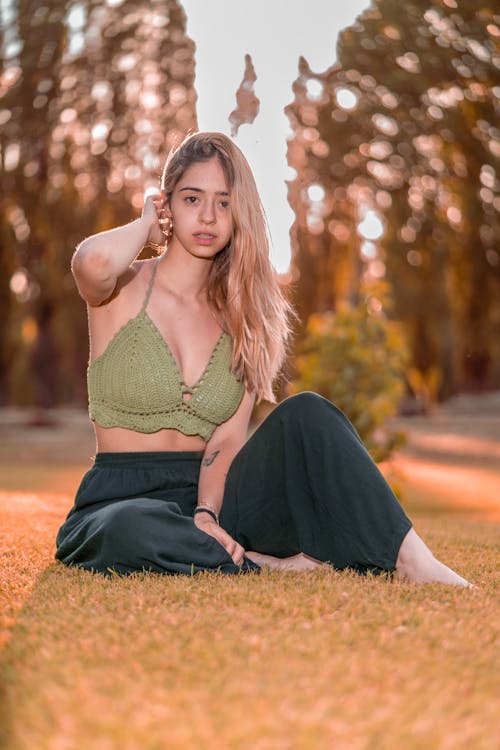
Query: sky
pixel 275 33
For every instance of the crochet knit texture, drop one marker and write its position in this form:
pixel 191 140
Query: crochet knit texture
pixel 136 384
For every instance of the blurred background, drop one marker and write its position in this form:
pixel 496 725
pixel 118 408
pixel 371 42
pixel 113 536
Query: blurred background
pixel 393 153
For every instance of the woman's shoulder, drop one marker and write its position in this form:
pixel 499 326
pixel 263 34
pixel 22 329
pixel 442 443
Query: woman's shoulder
pixel 130 287
pixel 136 277
pixel 138 274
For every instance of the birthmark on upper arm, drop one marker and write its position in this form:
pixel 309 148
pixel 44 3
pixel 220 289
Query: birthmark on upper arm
pixel 208 461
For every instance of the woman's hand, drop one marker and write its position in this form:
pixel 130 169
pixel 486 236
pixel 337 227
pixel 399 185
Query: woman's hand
pixel 153 213
pixel 204 522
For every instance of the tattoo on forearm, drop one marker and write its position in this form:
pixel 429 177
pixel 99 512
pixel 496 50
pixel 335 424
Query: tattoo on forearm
pixel 210 459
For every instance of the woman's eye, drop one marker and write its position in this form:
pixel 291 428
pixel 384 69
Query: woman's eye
pixel 191 199
pixel 224 204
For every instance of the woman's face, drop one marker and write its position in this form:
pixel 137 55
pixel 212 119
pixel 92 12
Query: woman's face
pixel 200 209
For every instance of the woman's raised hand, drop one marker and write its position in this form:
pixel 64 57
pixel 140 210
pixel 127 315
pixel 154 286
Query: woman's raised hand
pixel 208 525
pixel 153 213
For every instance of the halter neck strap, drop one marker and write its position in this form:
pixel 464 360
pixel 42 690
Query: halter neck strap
pixel 150 285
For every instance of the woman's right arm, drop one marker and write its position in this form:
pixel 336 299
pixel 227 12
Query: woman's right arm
pixel 101 259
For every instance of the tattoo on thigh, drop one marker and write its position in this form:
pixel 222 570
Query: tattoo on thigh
pixel 210 459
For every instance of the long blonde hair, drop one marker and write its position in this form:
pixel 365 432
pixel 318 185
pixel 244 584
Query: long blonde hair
pixel 242 288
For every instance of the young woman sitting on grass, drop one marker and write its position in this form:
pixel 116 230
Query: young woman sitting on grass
pixel 181 346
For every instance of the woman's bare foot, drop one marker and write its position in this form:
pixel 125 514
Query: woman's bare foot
pixel 417 564
pixel 296 562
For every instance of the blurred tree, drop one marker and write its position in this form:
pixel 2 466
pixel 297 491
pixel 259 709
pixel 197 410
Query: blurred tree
pixel 7 339
pixel 356 358
pixel 33 45
pixel 396 151
pixel 93 95
pixel 247 104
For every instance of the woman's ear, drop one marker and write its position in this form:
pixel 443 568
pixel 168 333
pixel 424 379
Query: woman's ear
pixel 166 204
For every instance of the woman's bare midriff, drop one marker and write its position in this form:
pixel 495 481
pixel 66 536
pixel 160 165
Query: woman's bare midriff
pixel 120 440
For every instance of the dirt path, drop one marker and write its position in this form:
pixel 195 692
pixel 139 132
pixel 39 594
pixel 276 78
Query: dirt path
pixel 452 458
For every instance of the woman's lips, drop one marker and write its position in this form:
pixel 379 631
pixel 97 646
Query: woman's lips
pixel 204 238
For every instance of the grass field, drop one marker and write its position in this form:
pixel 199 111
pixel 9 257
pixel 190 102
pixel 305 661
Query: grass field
pixel 277 661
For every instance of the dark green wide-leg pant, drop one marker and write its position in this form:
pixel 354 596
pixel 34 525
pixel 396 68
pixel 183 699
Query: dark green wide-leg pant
pixel 303 483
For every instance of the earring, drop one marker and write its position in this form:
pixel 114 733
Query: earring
pixel 167 227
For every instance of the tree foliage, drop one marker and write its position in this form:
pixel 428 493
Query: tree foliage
pixel 404 128
pixel 93 94
pixel 247 103
pixel 356 358
pixel 92 97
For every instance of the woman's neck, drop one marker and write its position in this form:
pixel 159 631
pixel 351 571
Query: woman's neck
pixel 184 274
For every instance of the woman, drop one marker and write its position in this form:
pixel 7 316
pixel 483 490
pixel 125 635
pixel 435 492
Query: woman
pixel 181 346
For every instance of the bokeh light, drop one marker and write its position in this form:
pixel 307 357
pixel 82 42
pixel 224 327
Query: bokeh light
pixel 346 98
pixel 316 193
pixel 371 227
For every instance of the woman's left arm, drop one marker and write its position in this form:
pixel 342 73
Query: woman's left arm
pixel 220 450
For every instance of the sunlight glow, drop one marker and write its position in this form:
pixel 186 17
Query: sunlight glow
pixel 316 193
pixel 346 99
pixel 314 89
pixel 275 35
pixel 11 157
pixel 371 228
pixel 19 282
pixel 369 250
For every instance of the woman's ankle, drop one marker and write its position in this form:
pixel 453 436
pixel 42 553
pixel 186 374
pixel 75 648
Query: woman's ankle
pixel 417 564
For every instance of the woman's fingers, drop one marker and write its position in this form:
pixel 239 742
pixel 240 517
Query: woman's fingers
pixel 236 551
pixel 154 203
pixel 230 545
pixel 206 524
pixel 154 212
pixel 149 204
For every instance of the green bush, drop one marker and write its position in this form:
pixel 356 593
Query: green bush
pixel 356 357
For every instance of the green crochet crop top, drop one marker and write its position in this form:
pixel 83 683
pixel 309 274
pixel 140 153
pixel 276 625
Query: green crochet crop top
pixel 136 383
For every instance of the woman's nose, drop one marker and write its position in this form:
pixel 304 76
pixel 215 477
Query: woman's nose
pixel 207 212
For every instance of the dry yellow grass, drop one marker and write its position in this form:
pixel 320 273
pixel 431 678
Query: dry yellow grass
pixel 278 661
pixel 27 525
pixel 314 661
